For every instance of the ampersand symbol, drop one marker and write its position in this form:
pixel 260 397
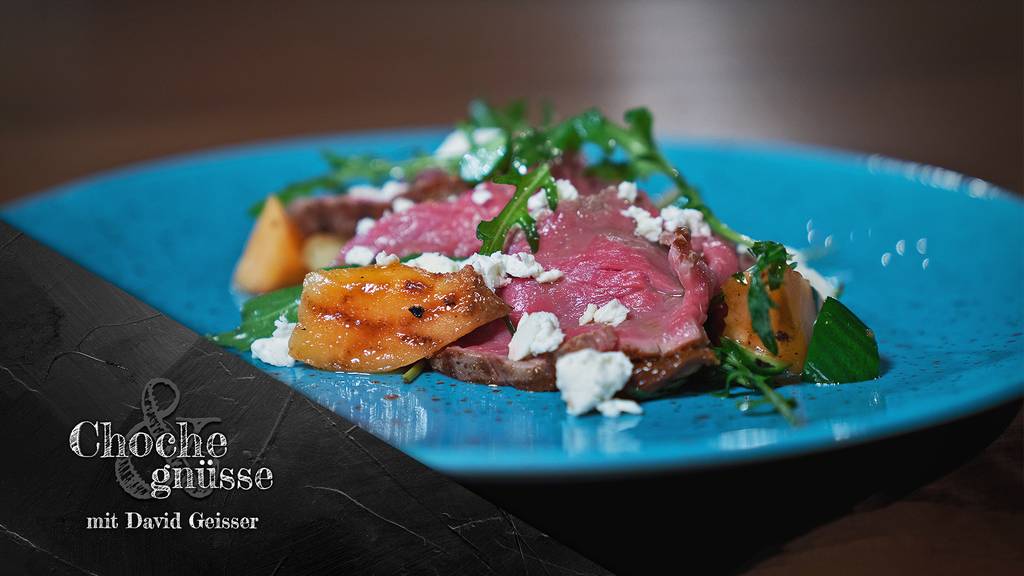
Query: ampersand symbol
pixel 154 421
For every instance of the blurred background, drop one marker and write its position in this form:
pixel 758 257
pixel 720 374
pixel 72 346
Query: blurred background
pixel 91 85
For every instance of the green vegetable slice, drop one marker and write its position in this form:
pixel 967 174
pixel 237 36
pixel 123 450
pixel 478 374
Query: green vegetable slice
pixel 258 316
pixel 842 349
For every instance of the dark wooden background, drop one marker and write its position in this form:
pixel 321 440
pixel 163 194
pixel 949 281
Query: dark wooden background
pixel 89 85
pixel 86 86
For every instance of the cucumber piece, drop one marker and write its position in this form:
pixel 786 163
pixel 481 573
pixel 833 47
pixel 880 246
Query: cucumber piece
pixel 842 349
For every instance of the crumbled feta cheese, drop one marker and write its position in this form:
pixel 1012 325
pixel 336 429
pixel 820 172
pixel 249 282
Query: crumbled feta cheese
pixel 385 259
pixel 626 191
pixel 394 189
pixel 551 275
pixel 274 350
pixel 588 314
pixel 538 203
pixel 612 408
pixel 536 333
pixel 434 262
pixel 674 218
pixel 612 313
pixel 490 268
pixel 386 193
pixel 481 195
pixel 456 144
pixel 566 191
pixel 522 265
pixel 647 226
pixel 402 204
pixel 364 226
pixel 364 192
pixel 587 378
pixel 494 269
pixel 359 255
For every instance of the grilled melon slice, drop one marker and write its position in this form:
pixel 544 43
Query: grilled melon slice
pixel 380 318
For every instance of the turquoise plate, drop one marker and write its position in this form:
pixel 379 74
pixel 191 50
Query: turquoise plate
pixel 932 260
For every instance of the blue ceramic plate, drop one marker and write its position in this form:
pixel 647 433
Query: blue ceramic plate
pixel 932 260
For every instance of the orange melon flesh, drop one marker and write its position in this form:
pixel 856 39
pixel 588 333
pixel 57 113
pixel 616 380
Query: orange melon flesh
pixel 273 254
pixel 380 318
pixel 792 318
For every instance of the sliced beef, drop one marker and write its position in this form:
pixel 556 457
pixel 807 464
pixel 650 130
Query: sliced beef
pixel 448 227
pixel 482 357
pixel 336 215
pixel 434 185
pixel 339 214
pixel 593 244
pixel 667 288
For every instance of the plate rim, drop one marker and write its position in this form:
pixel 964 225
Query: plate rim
pixel 808 439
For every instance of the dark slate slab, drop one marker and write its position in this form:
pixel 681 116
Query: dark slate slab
pixel 74 348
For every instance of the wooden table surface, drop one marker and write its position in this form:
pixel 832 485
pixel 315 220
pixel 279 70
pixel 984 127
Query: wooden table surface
pixel 87 86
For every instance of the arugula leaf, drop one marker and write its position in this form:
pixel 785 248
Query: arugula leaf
pixel 511 118
pixel 258 316
pixel 494 232
pixel 742 367
pixel 636 140
pixel 345 170
pixel 772 262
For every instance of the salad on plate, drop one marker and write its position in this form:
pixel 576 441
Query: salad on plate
pixel 530 254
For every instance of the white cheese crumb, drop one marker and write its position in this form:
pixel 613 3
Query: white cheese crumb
pixel 538 203
pixel 588 378
pixel 481 195
pixel 494 269
pixel 385 259
pixel 402 204
pixel 536 333
pixel 612 408
pixel 522 265
pixel 551 275
pixel 588 314
pixel 490 268
pixel 674 218
pixel 386 193
pixel 647 226
pixel 394 189
pixel 566 191
pixel 364 226
pixel 456 144
pixel 359 255
pixel 434 262
pixel 274 350
pixel 627 191
pixel 612 313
